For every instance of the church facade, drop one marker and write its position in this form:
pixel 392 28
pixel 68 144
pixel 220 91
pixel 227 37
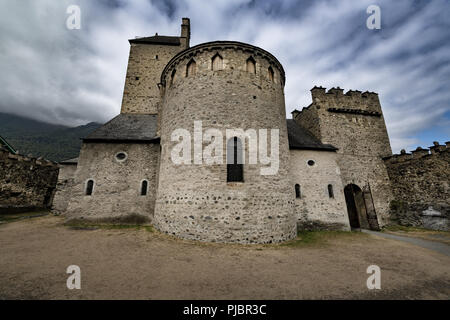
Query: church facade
pixel 330 172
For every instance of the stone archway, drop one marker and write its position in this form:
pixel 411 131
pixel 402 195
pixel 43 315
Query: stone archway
pixel 360 208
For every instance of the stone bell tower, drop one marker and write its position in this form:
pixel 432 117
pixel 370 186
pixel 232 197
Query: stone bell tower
pixel 147 59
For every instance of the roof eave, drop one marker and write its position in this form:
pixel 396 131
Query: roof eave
pixel 331 149
pixel 118 140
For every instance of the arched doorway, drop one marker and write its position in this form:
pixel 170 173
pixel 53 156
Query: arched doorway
pixel 360 208
pixel 350 192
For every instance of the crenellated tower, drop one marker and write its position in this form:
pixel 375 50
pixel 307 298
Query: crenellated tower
pixel 354 123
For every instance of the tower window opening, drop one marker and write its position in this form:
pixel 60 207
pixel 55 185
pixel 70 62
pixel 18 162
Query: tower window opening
pixel 235 167
pixel 191 68
pixel 330 191
pixel 217 62
pixel 173 77
pixel 144 187
pixel 89 187
pixel 251 65
pixel 271 74
pixel 298 194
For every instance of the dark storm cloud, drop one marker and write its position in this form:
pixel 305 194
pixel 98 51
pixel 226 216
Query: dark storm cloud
pixel 74 76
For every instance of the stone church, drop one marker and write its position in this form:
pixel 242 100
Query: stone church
pixel 331 171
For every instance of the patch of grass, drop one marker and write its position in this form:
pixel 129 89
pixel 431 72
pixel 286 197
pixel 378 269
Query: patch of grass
pixel 311 238
pixel 6 218
pixel 94 226
pixel 396 227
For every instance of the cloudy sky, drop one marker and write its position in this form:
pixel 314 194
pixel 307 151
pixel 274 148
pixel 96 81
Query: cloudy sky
pixel 72 77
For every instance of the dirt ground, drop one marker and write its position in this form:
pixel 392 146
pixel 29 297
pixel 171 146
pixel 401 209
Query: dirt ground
pixel 133 263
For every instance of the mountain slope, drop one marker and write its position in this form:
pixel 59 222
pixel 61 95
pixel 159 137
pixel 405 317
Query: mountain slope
pixel 53 142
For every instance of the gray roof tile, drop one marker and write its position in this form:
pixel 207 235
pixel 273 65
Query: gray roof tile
pixel 127 127
pixel 167 40
pixel 300 138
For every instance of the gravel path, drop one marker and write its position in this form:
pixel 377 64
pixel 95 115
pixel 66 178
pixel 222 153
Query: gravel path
pixel 138 264
pixel 432 245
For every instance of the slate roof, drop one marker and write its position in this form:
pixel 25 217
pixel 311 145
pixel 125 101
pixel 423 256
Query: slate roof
pixel 126 127
pixel 167 40
pixel 142 127
pixel 69 161
pixel 300 138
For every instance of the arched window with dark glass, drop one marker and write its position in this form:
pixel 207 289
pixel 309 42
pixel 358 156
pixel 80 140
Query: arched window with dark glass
pixel 144 187
pixel 89 187
pixel 297 191
pixel 235 167
pixel 330 191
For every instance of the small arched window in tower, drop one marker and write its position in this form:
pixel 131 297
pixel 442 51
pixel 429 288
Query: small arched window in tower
pixel 298 194
pixel 330 191
pixel 144 187
pixel 217 62
pixel 173 77
pixel 89 187
pixel 271 74
pixel 251 65
pixel 235 167
pixel 191 68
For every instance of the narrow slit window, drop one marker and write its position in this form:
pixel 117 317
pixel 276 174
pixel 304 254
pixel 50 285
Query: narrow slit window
pixel 251 65
pixel 144 188
pixel 217 62
pixel 330 191
pixel 173 76
pixel 191 68
pixel 235 167
pixel 298 194
pixel 89 187
pixel 271 74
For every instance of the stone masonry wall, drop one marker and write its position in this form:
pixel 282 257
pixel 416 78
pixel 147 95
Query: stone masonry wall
pixel 353 122
pixel 420 183
pixel 116 196
pixel 195 201
pixel 25 183
pixel 145 64
pixel 64 187
pixel 315 209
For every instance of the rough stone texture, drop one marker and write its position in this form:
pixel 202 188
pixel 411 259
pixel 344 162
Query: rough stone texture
pixel 354 123
pixel 315 209
pixel 148 57
pixel 25 183
pixel 420 183
pixel 116 196
pixel 195 201
pixel 64 187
